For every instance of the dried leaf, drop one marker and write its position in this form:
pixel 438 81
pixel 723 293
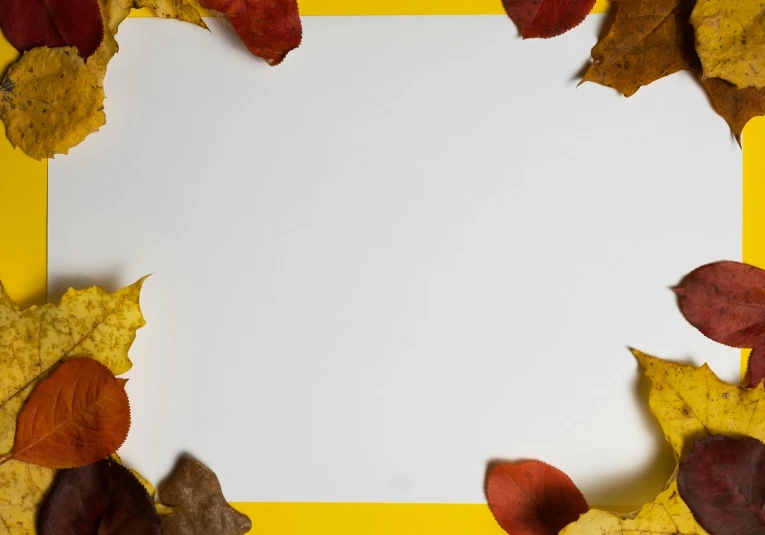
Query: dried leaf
pixel 533 498
pixel 547 18
pixel 693 403
pixel 666 515
pixel 729 40
pixel 726 302
pixel 50 102
pixel 734 105
pixel 174 9
pixel 28 24
pixel 198 505
pixel 101 498
pixel 269 28
pixel 756 366
pixel 649 39
pixel 722 480
pixel 76 416
pixel 9 311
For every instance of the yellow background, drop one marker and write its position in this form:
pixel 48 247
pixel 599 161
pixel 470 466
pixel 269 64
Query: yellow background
pixel 23 270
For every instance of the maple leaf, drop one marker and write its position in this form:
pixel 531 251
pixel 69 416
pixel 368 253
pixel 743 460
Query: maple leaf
pixel 666 515
pixel 76 416
pixel 269 28
pixel 533 498
pixel 729 40
pixel 722 480
pixel 734 105
pixel 649 39
pixel 196 502
pixel 726 302
pixel 88 322
pixel 50 102
pixel 28 24
pixel 692 403
pixel 547 18
pixel 103 497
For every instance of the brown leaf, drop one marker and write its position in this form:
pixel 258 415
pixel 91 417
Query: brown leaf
pixel 649 39
pixel 722 481
pixel 533 498
pixel 102 498
pixel 198 506
pixel 269 28
pixel 726 302
pixel 734 105
pixel 78 415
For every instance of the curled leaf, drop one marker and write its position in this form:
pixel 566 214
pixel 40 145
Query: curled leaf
pixel 269 28
pixel 198 506
pixel 722 480
pixel 547 18
pixel 533 498
pixel 50 102
pixel 76 416
pixel 28 24
pixel 726 302
pixel 101 498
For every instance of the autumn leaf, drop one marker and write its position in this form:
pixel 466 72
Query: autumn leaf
pixel 102 498
pixel 533 498
pixel 666 515
pixel 9 311
pixel 28 24
pixel 729 40
pixel 756 366
pixel 649 39
pixel 726 302
pixel 547 18
pixel 50 102
pixel 76 416
pixel 722 480
pixel 198 506
pixel 692 403
pixel 734 105
pixel 269 28
pixel 87 322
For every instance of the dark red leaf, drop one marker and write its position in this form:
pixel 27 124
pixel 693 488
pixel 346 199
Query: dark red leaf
pixel 103 498
pixel 722 480
pixel 533 498
pixel 726 302
pixel 756 366
pixel 269 28
pixel 547 18
pixel 31 23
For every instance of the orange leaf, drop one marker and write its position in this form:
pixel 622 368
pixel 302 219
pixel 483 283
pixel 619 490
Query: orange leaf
pixel 77 416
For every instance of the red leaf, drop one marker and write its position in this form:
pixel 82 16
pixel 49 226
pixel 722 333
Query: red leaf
pixel 269 28
pixel 722 480
pixel 756 366
pixel 533 498
pixel 547 18
pixel 31 23
pixel 103 498
pixel 726 302
pixel 78 415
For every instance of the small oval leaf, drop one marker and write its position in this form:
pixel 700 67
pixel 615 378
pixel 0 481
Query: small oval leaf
pixel 533 498
pixel 78 415
pixel 546 18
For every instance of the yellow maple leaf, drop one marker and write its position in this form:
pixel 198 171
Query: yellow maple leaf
pixel 86 323
pixel 730 40
pixel 666 515
pixel 50 102
pixel 692 403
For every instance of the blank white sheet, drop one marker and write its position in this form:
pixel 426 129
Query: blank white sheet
pixel 414 247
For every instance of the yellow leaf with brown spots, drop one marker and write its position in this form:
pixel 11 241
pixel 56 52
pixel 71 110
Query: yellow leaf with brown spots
pixel 174 9
pixel 692 403
pixel 730 40
pixel 50 102
pixel 666 515
pixel 9 311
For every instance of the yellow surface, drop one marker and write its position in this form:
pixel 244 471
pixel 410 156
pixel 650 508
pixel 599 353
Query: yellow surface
pixel 23 217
